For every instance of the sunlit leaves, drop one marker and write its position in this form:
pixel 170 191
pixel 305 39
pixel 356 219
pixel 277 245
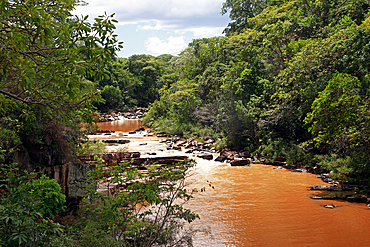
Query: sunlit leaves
pixel 27 211
pixel 150 208
pixel 335 110
pixel 47 51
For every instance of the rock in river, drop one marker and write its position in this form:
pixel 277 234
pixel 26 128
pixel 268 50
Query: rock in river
pixel 221 158
pixel 205 156
pixel 240 162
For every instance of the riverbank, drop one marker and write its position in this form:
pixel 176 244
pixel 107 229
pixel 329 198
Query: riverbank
pixel 254 205
pixel 151 143
pixel 137 113
pixel 243 158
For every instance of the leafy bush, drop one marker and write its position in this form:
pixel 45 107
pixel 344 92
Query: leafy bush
pixel 24 212
pixel 91 147
pixel 147 212
pixel 112 98
pixel 89 227
pixel 49 195
pixel 275 149
pixel 341 168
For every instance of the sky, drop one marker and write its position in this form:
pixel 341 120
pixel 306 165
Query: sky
pixel 158 27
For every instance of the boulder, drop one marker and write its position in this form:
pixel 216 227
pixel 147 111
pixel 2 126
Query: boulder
pixel 221 158
pixel 281 159
pixel 210 141
pixel 244 154
pixel 299 170
pixel 181 143
pixel 165 160
pixel 205 156
pixel 331 206
pixel 230 157
pixel 117 141
pixel 326 188
pixel 175 147
pixel 242 162
pixel 328 180
pixel 357 198
pixel 328 197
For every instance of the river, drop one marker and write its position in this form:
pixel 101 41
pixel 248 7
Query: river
pixel 259 205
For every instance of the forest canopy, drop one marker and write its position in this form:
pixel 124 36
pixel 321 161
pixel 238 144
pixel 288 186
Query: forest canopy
pixel 46 56
pixel 290 79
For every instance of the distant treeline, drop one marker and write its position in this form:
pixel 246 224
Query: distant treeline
pixel 134 82
pixel 290 79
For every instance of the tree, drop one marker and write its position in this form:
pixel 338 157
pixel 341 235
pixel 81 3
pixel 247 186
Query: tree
pixel 335 110
pixel 145 209
pixel 46 52
pixel 139 78
pixel 282 62
pixel 240 12
pixel 113 98
pixel 27 210
pixel 45 55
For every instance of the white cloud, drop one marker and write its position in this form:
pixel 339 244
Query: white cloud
pixel 174 21
pixel 128 11
pixel 171 45
pixel 149 9
pixel 197 31
pixel 206 32
pixel 156 25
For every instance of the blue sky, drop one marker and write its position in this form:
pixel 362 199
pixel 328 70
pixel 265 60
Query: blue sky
pixel 159 26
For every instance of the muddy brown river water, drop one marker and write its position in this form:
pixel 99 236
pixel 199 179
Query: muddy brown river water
pixel 260 205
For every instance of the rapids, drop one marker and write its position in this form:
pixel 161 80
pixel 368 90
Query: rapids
pixel 257 205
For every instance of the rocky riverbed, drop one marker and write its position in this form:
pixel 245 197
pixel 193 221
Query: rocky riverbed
pixel 149 144
pixel 132 114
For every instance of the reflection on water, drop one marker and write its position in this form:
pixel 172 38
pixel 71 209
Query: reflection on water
pixel 121 125
pixel 260 206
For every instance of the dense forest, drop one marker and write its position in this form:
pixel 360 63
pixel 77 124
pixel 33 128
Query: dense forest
pixel 134 82
pixel 290 79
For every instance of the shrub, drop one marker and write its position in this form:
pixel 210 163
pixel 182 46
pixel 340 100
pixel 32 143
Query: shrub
pixel 24 212
pixel 147 212
pixel 91 147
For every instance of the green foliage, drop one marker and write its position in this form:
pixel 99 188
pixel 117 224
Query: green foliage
pixel 24 212
pixel 289 74
pixel 173 113
pixel 112 98
pixel 91 147
pixel 275 149
pixel 335 110
pixel 89 227
pixel 240 13
pixel 45 54
pixel 51 66
pixel 342 168
pixel 135 80
pixel 147 212
pixel 4 138
pixel 49 194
